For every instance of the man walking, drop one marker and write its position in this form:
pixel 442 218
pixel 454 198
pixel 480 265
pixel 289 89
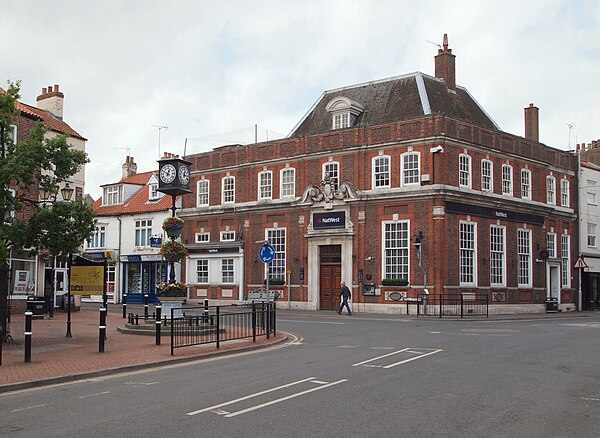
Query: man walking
pixel 344 295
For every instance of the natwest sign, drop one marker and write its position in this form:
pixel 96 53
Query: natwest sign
pixel 332 219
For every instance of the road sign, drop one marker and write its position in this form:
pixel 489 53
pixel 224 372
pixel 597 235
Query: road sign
pixel 580 264
pixel 266 253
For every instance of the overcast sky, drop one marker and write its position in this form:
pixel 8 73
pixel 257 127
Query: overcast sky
pixel 211 70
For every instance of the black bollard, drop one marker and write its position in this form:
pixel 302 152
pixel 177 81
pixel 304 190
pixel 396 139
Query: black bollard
pixel 145 307
pixel 124 305
pixel 102 330
pixel 28 318
pixel 137 319
pixel 158 323
pixel 1 342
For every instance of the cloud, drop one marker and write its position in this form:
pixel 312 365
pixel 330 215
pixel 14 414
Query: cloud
pixel 214 69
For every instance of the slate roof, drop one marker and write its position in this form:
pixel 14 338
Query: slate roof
pixel 138 202
pixel 397 99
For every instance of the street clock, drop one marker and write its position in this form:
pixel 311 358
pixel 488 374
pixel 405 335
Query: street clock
pixel 174 176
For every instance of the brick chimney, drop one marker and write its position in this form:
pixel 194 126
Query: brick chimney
pixel 51 100
pixel 444 65
pixel 532 122
pixel 129 168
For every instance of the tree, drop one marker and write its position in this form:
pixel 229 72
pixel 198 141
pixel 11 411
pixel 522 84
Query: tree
pixel 26 167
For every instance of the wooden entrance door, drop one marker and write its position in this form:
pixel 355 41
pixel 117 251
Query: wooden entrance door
pixel 330 276
pixel 329 286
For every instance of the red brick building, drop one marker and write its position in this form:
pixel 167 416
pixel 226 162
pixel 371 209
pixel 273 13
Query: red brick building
pixel 400 180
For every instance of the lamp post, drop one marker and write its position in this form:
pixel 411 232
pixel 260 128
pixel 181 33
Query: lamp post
pixel 49 197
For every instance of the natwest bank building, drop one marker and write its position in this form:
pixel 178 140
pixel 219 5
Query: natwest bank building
pixel 393 186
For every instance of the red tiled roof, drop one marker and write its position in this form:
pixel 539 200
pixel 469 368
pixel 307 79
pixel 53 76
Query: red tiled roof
pixel 138 202
pixel 49 120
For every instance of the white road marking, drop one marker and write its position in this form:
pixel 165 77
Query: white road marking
pixel 287 385
pixel 279 400
pixel 590 399
pixel 29 407
pixel 319 382
pixel 379 357
pixel 94 395
pixel 412 358
pixel 140 383
pixel 348 346
pixel 310 322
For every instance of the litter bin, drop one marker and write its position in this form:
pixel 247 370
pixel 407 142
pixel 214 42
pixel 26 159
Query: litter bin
pixel 551 305
pixel 35 305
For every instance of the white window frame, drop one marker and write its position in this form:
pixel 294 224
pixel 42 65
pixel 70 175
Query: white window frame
pixel 591 192
pixel 98 239
pixel 143 228
pixel 524 257
pixel 550 190
pixel 278 238
pixel 12 136
pixel 565 193
pixel 497 256
pixel 507 180
pixel 203 191
pixel 333 169
pixel 112 195
pixel 265 185
pixel 525 184
pixel 551 245
pixel 203 237
pixel 410 174
pixel 565 256
pixel 591 234
pixel 341 120
pixel 396 244
pixel 153 193
pixel 13 194
pixel 468 253
pixel 228 271
pixel 381 175
pixel 287 184
pixel 487 176
pixel 464 171
pixel 202 271
pixel 227 236
pixel 228 190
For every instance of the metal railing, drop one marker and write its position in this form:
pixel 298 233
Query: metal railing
pixel 217 324
pixel 466 304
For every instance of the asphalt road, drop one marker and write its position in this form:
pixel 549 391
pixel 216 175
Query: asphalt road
pixel 347 376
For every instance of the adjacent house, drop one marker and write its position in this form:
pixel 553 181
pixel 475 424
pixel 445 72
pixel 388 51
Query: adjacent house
pixel 32 275
pixel 399 187
pixel 589 223
pixel 128 235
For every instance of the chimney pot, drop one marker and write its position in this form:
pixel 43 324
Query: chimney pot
pixel 49 88
pixel 55 87
pixel 445 65
pixel 44 90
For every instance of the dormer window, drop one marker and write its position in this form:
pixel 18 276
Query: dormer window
pixel 154 194
pixel 112 195
pixel 344 112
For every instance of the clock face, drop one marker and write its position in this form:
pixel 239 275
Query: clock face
pixel 167 173
pixel 184 175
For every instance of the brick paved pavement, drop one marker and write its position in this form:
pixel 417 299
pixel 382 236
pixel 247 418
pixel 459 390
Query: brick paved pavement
pixel 55 358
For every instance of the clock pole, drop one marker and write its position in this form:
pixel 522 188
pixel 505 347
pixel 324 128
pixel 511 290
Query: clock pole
pixel 174 180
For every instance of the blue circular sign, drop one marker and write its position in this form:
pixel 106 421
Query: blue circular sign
pixel 266 253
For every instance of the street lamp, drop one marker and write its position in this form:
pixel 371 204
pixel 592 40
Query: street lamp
pixel 67 192
pixel 49 197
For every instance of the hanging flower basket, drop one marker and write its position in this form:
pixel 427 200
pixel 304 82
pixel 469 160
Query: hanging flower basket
pixel 173 250
pixel 173 226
